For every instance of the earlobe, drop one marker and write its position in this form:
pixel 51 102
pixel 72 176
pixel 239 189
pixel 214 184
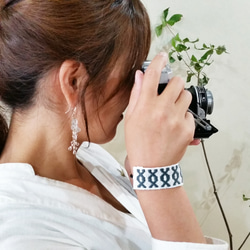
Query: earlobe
pixel 72 77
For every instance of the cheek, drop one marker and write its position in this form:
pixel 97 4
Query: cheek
pixel 117 106
pixel 111 114
pixel 103 117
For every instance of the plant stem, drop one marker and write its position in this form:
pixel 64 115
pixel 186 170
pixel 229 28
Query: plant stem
pixel 204 64
pixel 187 65
pixel 244 241
pixel 217 196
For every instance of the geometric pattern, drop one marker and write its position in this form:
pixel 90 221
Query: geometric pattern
pixel 157 178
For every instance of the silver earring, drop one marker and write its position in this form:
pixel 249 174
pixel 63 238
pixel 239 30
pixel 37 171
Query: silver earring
pixel 75 130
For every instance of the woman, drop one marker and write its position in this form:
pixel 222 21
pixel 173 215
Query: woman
pixel 67 69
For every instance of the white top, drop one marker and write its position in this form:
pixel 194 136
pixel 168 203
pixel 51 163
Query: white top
pixel 41 213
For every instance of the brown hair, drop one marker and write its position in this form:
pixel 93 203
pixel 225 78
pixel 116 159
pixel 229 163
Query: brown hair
pixel 36 36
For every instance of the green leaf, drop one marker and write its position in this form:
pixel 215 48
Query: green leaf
pixel 177 38
pixel 170 56
pixel 186 40
pixel 205 46
pixel 189 76
pixel 205 78
pixel 206 55
pixel 179 57
pixel 174 19
pixel 171 59
pixel 221 49
pixel 245 198
pixel 203 81
pixel 197 67
pixel 195 41
pixel 181 47
pixel 194 59
pixel 173 42
pixel 208 63
pixel 158 30
pixel 165 13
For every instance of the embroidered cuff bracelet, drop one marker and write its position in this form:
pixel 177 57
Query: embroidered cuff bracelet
pixel 157 178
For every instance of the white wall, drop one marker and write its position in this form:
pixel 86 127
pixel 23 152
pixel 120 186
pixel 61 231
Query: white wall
pixel 224 22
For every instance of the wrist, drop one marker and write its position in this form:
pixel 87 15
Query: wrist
pixel 157 178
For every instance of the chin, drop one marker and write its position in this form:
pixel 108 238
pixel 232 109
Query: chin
pixel 105 138
pixel 108 138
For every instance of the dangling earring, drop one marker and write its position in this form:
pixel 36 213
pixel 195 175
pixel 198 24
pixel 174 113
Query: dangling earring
pixel 75 130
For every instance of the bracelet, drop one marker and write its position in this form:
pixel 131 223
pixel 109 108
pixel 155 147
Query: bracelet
pixel 157 178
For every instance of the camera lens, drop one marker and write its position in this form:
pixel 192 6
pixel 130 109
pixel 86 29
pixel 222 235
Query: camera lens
pixel 201 98
pixel 210 102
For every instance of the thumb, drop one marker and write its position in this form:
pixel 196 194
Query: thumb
pixel 135 93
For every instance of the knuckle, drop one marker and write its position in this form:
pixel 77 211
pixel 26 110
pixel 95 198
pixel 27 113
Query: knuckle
pixel 160 116
pixel 179 82
pixel 152 73
pixel 187 96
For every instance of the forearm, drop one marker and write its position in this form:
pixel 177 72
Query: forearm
pixel 158 130
pixel 170 216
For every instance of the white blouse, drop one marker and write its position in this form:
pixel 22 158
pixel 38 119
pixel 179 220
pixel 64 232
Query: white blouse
pixel 41 213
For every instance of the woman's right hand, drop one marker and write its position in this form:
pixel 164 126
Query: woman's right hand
pixel 158 128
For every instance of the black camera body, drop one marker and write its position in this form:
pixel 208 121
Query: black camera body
pixel 202 103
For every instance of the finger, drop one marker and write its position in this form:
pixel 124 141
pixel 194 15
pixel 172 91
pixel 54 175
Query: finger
pixel 173 90
pixel 195 142
pixel 190 122
pixel 135 93
pixel 183 102
pixel 153 74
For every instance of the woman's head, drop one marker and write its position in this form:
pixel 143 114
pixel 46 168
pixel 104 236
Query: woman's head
pixel 38 36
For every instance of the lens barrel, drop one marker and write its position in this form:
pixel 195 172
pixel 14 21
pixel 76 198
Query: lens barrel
pixel 202 98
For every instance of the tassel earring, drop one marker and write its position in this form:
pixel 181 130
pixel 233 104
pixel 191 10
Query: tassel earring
pixel 75 130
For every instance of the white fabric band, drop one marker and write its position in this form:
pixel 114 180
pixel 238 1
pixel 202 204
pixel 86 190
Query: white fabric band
pixel 157 178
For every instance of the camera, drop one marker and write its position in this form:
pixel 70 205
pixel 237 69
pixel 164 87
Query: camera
pixel 201 105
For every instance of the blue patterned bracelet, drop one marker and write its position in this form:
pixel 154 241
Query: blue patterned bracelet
pixel 157 178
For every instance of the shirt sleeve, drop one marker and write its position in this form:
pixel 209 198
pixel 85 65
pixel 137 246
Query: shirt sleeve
pixel 212 244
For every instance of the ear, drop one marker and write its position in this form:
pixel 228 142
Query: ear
pixel 72 77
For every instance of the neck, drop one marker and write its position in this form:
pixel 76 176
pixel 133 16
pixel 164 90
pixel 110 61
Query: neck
pixel 42 141
pixel 41 138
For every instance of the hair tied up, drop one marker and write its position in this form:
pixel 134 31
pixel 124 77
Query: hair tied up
pixel 8 3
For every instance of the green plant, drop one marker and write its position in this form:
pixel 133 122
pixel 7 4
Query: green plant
pixel 245 198
pixel 183 50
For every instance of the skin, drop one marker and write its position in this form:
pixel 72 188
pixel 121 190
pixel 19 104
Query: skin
pixel 163 142
pixel 35 142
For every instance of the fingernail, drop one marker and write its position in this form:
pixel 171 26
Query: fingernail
pixel 137 75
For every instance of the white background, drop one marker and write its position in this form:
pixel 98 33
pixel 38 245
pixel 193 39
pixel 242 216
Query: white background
pixel 219 22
